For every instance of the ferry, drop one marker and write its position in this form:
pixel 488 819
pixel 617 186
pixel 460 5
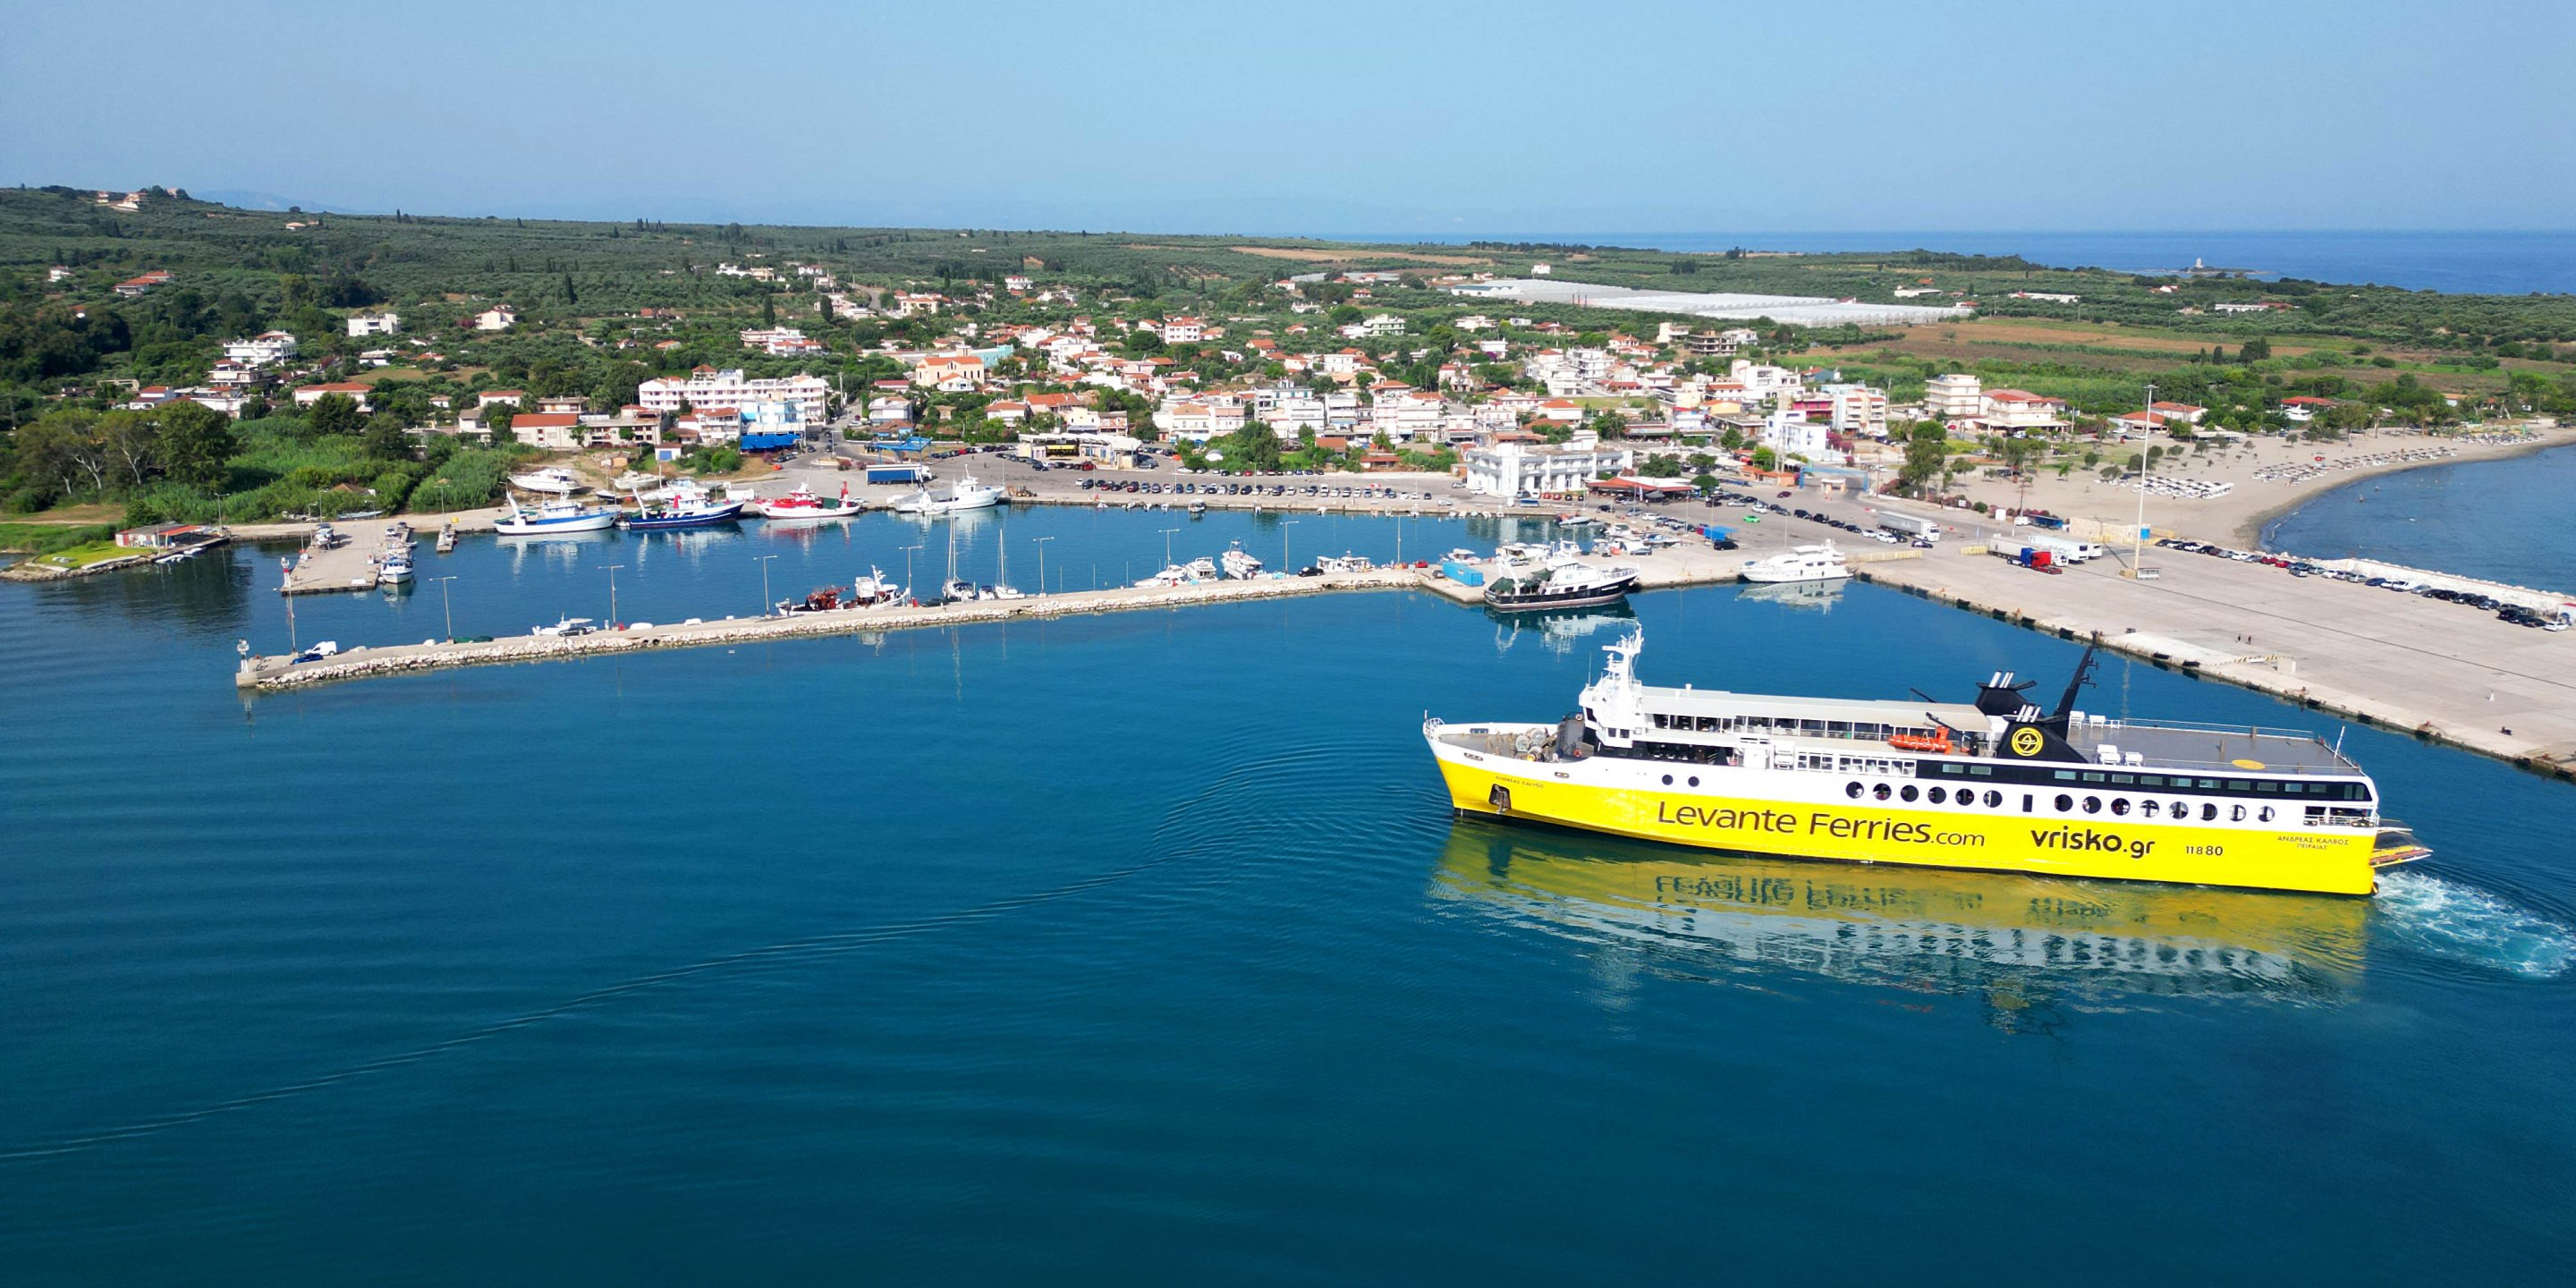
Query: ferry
pixel 1994 785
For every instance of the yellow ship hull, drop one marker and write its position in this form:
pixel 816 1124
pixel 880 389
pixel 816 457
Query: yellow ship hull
pixel 2317 861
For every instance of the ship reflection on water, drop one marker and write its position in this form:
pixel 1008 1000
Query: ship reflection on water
pixel 1818 595
pixel 1558 631
pixel 2029 949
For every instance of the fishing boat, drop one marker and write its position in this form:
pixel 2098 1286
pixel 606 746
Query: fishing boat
pixel 1997 784
pixel 1239 563
pixel 874 589
pixel 1801 563
pixel 683 504
pixel 965 494
pixel 396 568
pixel 553 519
pixel 1566 584
pixel 802 506
pixel 553 480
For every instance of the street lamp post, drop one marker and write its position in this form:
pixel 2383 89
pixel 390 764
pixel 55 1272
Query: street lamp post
pixel 1167 546
pixel 907 572
pixel 1286 565
pixel 447 606
pixel 765 605
pixel 1040 543
pixel 612 592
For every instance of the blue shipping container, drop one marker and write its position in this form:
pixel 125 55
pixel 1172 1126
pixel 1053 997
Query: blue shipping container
pixel 1461 573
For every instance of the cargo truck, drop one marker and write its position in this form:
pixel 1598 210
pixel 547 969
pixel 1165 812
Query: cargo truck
pixel 2068 549
pixel 1909 526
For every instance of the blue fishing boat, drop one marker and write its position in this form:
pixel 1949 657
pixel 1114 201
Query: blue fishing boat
pixel 682 505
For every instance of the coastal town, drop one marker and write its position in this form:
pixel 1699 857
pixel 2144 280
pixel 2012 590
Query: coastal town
pixel 1504 386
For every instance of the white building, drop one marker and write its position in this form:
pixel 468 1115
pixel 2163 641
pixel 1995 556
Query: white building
pixel 262 349
pixel 385 323
pixel 499 317
pixel 1521 469
pixel 1790 433
pixel 2022 409
pixel 1382 324
pixel 708 387
pixel 1858 409
pixel 780 342
pixel 1954 397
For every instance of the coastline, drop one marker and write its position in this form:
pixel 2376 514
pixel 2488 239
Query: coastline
pixel 2249 531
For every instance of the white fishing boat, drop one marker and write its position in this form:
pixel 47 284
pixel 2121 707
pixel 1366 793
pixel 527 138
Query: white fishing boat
pixel 554 480
pixel 396 568
pixel 553 519
pixel 566 627
pixel 964 494
pixel 1239 563
pixel 1800 563
pixel 802 506
pixel 1203 568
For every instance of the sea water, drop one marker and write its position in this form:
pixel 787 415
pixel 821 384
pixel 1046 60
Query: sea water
pixel 2502 520
pixel 1142 947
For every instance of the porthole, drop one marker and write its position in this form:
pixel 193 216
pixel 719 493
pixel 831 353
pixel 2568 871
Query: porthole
pixel 1668 780
pixel 2235 813
pixel 1994 800
pixel 1938 795
pixel 1694 780
pixel 1909 793
pixel 2264 814
pixel 1880 791
pixel 2065 803
pixel 1852 790
pixel 2208 813
pixel 2120 805
pixel 2092 804
pixel 2148 809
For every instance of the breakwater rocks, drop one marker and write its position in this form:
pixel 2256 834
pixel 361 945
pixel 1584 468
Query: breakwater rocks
pixel 278 673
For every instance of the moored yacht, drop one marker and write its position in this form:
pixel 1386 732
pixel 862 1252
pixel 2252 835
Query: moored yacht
pixel 553 480
pixel 1801 563
pixel 1239 563
pixel 802 506
pixel 964 494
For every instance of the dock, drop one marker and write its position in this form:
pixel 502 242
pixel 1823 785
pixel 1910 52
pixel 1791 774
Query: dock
pixel 1688 564
pixel 351 565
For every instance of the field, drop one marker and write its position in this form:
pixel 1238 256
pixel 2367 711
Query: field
pixel 1305 255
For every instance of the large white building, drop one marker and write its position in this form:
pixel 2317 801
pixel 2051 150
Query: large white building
pixel 1523 469
pixel 708 387
pixel 1954 397
pixel 385 323
pixel 262 349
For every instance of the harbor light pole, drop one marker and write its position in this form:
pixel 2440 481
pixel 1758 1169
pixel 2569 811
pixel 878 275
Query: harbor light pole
pixel 907 572
pixel 2138 530
pixel 1284 561
pixel 447 605
pixel 765 605
pixel 1040 543
pixel 1167 546
pixel 612 592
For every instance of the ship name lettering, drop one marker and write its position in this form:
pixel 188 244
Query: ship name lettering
pixel 2087 840
pixel 1747 820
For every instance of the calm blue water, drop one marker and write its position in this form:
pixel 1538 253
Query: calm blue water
pixel 1141 948
pixel 2504 520
pixel 2483 263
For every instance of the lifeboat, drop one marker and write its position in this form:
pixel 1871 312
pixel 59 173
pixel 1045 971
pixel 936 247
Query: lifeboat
pixel 1937 743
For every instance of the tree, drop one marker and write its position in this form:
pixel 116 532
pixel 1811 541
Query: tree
pixel 2254 350
pixel 1661 467
pixel 571 296
pixel 1764 458
pixel 386 438
pixel 1706 483
pixel 768 310
pixel 131 442
pixel 196 444
pixel 333 414
pixel 1927 445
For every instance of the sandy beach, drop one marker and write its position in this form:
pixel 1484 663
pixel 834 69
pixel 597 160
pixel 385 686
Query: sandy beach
pixel 2257 494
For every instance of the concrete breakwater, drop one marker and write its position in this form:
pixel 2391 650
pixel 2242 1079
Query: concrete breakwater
pixel 272 673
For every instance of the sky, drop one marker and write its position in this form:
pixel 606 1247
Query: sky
pixel 1394 117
